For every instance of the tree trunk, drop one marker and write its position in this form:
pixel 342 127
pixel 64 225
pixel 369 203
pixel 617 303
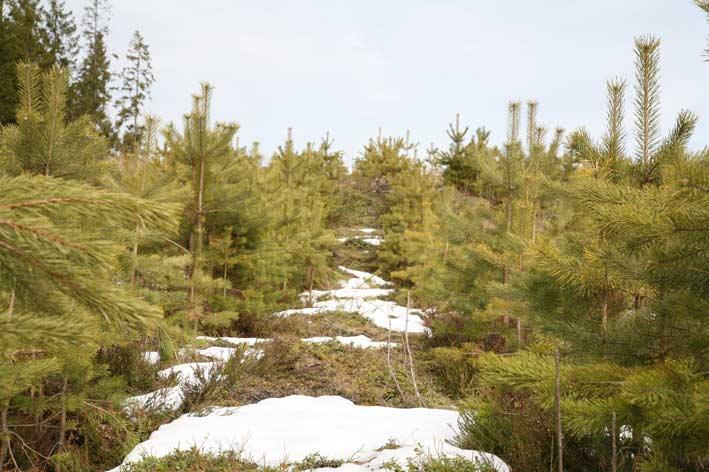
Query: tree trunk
pixel 135 110
pixel 135 255
pixel 5 433
pixel 505 281
pixel 199 242
pixel 614 465
pixel 225 270
pixel 310 288
pixel 62 417
pixel 604 315
pixel 519 332
pixel 409 354
pixel 4 430
pixel 557 395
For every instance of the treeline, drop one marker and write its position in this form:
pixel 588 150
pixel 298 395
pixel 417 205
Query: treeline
pixel 48 34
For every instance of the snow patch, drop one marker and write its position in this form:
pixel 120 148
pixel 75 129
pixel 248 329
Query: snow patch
pixel 191 372
pixel 226 353
pixel 382 313
pixel 365 276
pixel 151 357
pixel 347 293
pixel 376 241
pixel 361 341
pixel 235 341
pixel 164 399
pixel 296 426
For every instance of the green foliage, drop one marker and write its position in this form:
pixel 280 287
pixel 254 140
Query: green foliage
pixel 194 460
pixel 618 287
pixel 201 151
pixel 137 79
pixel 424 462
pixel 457 369
pixel 43 143
pixel 24 37
pixel 91 92
pixel 543 242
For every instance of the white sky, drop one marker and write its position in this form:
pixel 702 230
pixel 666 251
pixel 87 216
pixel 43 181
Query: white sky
pixel 351 66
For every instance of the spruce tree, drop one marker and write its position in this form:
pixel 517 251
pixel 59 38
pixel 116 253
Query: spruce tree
pixel 7 69
pixel 62 36
pixel 137 79
pixel 91 93
pixel 24 39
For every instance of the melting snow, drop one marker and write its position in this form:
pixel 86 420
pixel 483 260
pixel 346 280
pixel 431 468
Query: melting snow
pixel 236 341
pixel 360 294
pixel 382 313
pixel 190 373
pixel 226 353
pixel 376 241
pixel 165 399
pixel 348 293
pixel 294 427
pixel 361 341
pixel 367 238
pixel 151 357
pixel 365 277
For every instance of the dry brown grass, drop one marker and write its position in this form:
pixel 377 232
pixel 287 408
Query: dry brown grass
pixel 291 367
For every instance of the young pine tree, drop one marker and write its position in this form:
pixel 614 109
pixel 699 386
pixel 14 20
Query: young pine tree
pixel 43 143
pixel 618 291
pixel 201 148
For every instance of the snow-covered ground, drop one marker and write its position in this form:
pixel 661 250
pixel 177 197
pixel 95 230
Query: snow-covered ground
pixel 361 294
pixel 164 399
pixel 367 236
pixel 288 429
pixel 361 341
pixel 151 357
pixel 235 341
pixel 191 372
pixel 226 353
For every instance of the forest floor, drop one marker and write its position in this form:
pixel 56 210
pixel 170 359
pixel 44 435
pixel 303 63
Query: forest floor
pixel 344 382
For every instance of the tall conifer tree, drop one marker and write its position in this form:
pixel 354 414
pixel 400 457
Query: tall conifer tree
pixel 91 92
pixel 24 38
pixel 137 79
pixel 62 35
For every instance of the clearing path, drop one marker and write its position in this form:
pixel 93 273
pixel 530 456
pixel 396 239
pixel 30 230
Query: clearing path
pixel 281 431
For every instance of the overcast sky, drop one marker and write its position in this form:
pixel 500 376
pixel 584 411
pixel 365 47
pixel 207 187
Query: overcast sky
pixel 352 66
